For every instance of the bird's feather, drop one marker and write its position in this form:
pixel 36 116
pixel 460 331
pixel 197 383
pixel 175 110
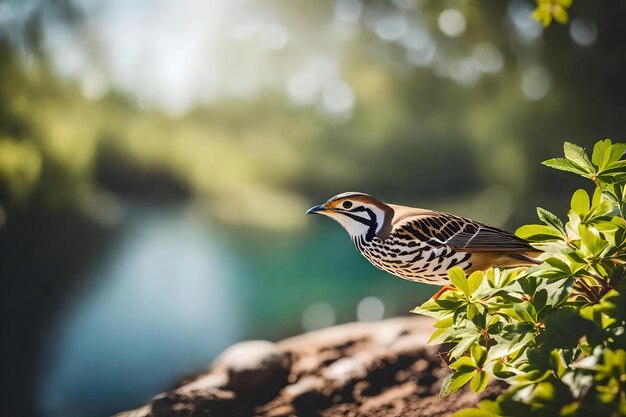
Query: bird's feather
pixel 457 232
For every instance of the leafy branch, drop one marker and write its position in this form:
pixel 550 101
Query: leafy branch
pixel 555 332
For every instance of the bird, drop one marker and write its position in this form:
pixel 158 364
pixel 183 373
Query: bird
pixel 422 245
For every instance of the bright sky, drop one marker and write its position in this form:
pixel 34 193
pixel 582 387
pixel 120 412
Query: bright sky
pixel 178 54
pixel 173 55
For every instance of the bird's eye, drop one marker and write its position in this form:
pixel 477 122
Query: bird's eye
pixel 347 204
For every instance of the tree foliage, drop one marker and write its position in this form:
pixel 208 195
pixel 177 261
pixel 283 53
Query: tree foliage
pixel 549 10
pixel 555 332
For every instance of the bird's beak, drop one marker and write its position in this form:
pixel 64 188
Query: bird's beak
pixel 317 209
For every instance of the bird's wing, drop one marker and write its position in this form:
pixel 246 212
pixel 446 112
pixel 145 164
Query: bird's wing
pixel 459 233
pixel 474 236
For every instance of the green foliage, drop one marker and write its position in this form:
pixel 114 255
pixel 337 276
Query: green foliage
pixel 555 332
pixel 549 10
pixel 20 167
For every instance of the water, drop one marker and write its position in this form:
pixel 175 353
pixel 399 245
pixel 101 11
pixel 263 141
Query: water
pixel 174 291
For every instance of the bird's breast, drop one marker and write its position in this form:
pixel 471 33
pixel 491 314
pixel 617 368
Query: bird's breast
pixel 414 260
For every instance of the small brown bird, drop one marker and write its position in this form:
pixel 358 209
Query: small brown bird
pixel 422 245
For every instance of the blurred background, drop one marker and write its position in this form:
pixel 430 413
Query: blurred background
pixel 157 157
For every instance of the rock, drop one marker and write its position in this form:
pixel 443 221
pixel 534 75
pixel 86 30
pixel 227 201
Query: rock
pixel 282 411
pixel 349 369
pixel 389 397
pixel 307 393
pixel 215 380
pixel 358 369
pixel 145 411
pixel 253 365
pixel 307 385
pixel 207 402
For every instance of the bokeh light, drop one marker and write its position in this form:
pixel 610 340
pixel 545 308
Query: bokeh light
pixel 370 309
pixel 452 22
pixel 583 31
pixel 317 316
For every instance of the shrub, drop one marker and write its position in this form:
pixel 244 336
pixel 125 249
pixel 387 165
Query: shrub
pixel 555 332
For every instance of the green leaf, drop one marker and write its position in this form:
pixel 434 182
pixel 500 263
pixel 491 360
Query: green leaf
pixel 472 311
pixel 550 219
pixel 558 363
pixel 474 281
pixel 452 334
pixel 495 328
pixel 479 382
pixel 564 165
pixel 564 328
pixel 614 173
pixel 474 412
pixel 601 153
pixel 605 153
pixel 559 264
pixel 456 381
pixel 514 330
pixel 601 209
pixel 560 15
pixel 591 240
pixel 526 311
pixel 502 371
pixel 570 409
pixel 464 364
pixel 533 376
pixel 538 233
pixel 598 314
pixel 540 299
pixel 578 156
pixel 444 323
pixel 543 15
pixel 440 336
pixel 480 319
pixel 559 291
pixel 580 202
pixel 617 151
pixel 597 196
pixel 457 276
pixel 479 354
pixel 438 309
pixel 528 284
pixel 464 344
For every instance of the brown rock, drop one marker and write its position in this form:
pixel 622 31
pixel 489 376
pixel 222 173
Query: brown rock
pixel 207 402
pixel 252 364
pixel 358 369
pixel 307 394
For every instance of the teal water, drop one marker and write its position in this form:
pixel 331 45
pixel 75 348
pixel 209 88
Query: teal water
pixel 174 290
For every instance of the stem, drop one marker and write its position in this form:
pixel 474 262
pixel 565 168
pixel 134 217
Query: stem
pixel 586 291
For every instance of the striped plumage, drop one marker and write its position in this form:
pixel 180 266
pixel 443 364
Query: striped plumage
pixel 422 245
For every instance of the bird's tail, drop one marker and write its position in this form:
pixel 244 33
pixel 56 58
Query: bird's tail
pixel 525 260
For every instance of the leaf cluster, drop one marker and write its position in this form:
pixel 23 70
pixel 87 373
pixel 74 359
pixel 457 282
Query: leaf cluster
pixel 556 332
pixel 549 10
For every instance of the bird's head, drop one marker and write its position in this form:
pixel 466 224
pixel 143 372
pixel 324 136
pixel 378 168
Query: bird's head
pixel 360 214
